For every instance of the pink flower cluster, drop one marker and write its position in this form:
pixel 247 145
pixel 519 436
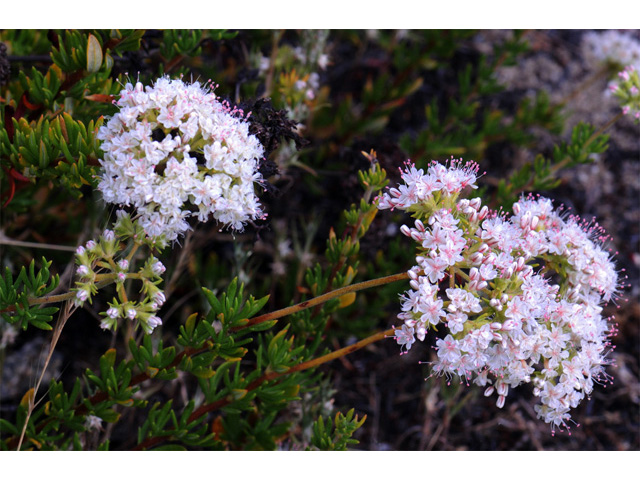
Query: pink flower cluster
pixel 521 296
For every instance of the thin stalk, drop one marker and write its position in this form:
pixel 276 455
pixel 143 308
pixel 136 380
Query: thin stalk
pixel 62 320
pixel 326 297
pixel 58 298
pixel 4 240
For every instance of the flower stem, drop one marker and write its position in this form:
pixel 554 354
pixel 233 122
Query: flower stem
pixel 58 298
pixel 325 298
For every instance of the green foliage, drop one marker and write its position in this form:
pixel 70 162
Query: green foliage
pixel 465 126
pixel 17 296
pixel 180 42
pixel 59 150
pixel 336 434
pixel 584 145
pixel 91 51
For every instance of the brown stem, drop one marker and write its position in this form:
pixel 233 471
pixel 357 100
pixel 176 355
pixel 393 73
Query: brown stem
pixel 324 298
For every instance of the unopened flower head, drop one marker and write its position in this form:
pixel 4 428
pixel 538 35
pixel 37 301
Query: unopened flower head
pixel 627 89
pixel 174 151
pixel 506 322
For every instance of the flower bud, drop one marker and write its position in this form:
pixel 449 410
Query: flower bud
pixel 82 270
pixel 477 258
pixel 108 235
pixel 502 388
pixel 158 268
pixel 416 236
pixel 414 274
pixel 82 295
pixel 154 321
pixel 474 273
pixel 159 298
pixel 534 222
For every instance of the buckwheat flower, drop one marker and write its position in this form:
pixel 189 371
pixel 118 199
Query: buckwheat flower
pixel 506 323
pixel 92 422
pixel 174 151
pixel 612 47
pixel 420 187
pixel 404 337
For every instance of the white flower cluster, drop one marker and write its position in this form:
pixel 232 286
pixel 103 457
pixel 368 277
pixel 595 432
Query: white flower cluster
pixel 613 47
pixel 174 147
pixel 491 281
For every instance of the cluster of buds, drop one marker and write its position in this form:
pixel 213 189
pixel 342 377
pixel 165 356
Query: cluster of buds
pixel 627 89
pixel 521 296
pixel 174 151
pixel 98 265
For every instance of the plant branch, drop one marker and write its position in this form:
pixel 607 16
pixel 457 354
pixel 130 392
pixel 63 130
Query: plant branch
pixel 326 297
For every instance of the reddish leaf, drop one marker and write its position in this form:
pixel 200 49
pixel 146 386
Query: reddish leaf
pixel 101 97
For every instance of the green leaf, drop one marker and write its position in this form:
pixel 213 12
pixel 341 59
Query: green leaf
pixel 170 447
pixel 94 54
